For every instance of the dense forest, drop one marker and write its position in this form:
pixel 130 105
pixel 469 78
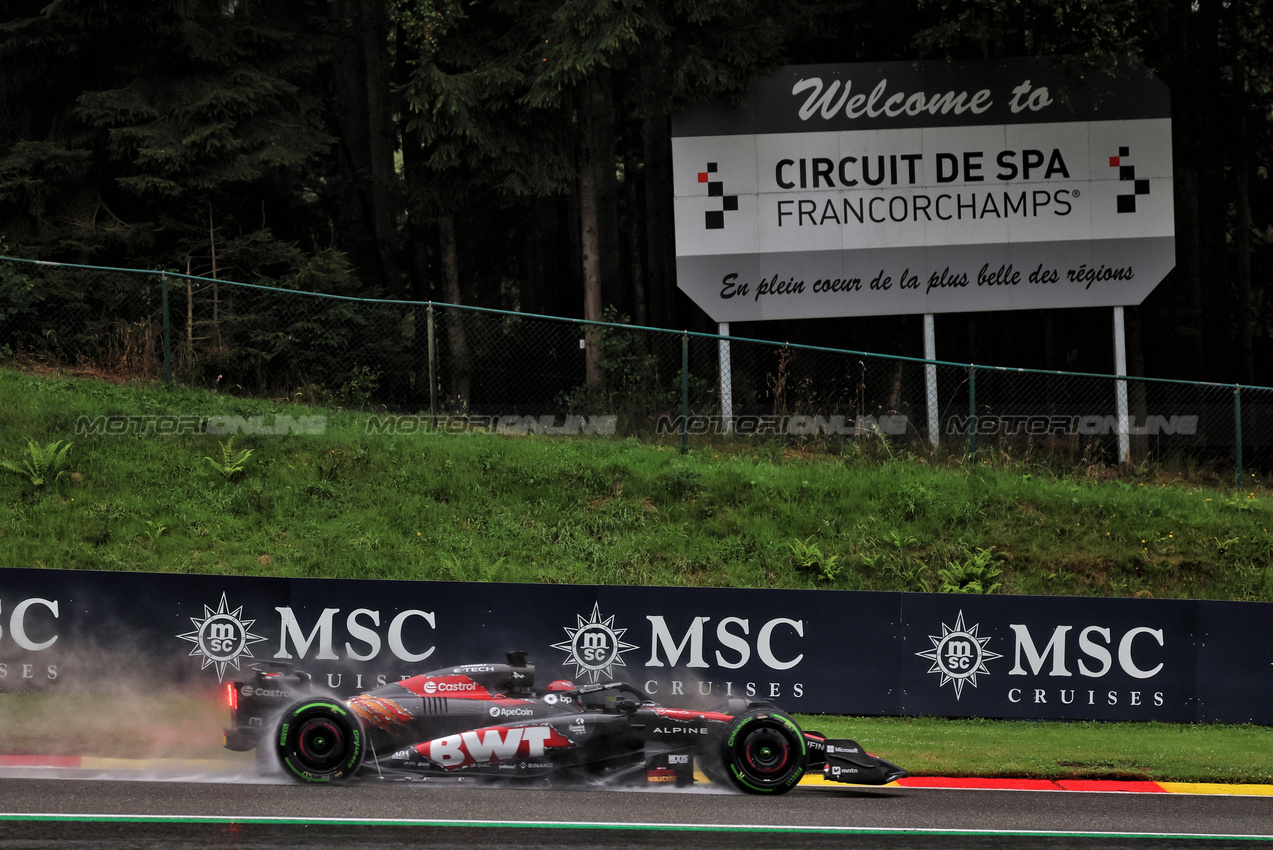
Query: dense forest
pixel 516 153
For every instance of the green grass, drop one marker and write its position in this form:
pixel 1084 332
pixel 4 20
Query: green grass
pixel 482 506
pixel 489 507
pixel 1163 752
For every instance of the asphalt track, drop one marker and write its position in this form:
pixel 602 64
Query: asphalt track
pixel 77 809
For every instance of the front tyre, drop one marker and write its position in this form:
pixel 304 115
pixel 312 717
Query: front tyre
pixel 319 740
pixel 763 752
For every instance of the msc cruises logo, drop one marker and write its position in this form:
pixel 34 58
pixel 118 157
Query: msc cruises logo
pixel 595 647
pixel 222 637
pixel 959 655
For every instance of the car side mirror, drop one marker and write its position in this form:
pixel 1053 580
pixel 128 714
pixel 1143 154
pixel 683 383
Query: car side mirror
pixel 626 704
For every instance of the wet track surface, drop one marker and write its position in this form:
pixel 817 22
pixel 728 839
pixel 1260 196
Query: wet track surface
pixel 83 812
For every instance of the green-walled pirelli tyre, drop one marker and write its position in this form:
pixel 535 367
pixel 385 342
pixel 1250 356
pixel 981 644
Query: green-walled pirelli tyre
pixel 319 740
pixel 763 752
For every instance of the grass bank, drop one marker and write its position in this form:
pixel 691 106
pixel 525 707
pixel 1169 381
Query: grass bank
pixel 483 506
pixel 1162 752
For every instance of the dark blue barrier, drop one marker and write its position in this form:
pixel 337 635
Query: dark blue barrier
pixel 816 651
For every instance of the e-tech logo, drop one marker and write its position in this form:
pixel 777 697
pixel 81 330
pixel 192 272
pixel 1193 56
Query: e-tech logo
pixel 222 637
pixel 595 647
pixel 1127 203
pixel 959 655
pixel 715 219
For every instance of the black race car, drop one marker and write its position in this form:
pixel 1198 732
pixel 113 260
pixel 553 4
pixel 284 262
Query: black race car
pixel 488 720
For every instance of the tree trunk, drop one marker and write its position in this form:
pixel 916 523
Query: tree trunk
pixel 1243 321
pixel 591 163
pixel 458 395
pixel 659 216
pixel 367 132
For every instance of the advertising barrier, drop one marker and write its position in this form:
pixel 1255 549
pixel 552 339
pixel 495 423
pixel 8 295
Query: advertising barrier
pixel 815 651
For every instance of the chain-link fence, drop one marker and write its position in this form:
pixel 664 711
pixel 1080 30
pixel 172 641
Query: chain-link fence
pixel 432 365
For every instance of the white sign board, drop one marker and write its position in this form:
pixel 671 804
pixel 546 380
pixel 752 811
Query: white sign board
pixel 858 190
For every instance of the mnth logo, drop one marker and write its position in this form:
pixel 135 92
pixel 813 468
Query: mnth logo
pixel 959 655
pixel 715 219
pixel 595 647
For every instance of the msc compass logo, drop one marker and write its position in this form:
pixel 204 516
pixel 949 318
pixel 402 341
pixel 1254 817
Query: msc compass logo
pixel 221 637
pixel 715 219
pixel 595 647
pixel 959 654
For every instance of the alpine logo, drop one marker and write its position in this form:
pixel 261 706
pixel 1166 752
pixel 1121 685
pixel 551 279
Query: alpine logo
pixel 959 655
pixel 715 219
pixel 1127 203
pixel 595 647
pixel 222 637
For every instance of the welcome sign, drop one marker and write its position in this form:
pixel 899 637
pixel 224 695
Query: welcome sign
pixel 856 190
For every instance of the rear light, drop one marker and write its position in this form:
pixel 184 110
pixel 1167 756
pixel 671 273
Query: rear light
pixel 232 696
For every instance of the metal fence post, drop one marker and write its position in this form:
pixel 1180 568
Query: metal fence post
pixel 163 286
pixel 685 391
pixel 1237 428
pixel 972 410
pixel 433 367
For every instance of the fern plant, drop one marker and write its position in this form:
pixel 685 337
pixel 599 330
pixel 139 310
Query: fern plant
pixel 41 463
pixel 231 462
pixel 975 574
pixel 808 556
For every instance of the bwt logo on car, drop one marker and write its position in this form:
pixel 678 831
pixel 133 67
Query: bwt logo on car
pixel 477 747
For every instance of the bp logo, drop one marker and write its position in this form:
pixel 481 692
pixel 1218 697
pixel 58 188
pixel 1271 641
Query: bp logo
pixel 959 655
pixel 222 637
pixel 595 647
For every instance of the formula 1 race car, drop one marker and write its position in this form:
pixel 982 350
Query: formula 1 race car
pixel 487 720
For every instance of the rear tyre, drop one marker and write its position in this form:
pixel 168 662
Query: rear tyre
pixel 319 740
pixel 763 752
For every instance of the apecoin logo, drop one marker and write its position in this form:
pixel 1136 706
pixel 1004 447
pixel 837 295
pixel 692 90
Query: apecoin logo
pixel 595 647
pixel 959 655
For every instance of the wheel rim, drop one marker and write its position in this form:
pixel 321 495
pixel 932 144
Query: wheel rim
pixel 320 744
pixel 766 754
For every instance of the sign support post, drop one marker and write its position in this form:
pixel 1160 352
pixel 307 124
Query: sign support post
pixel 726 380
pixel 930 379
pixel 1120 386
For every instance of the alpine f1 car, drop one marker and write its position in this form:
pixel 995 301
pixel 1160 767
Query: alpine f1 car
pixel 488 720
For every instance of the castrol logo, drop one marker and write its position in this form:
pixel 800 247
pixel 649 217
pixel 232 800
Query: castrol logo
pixel 442 687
